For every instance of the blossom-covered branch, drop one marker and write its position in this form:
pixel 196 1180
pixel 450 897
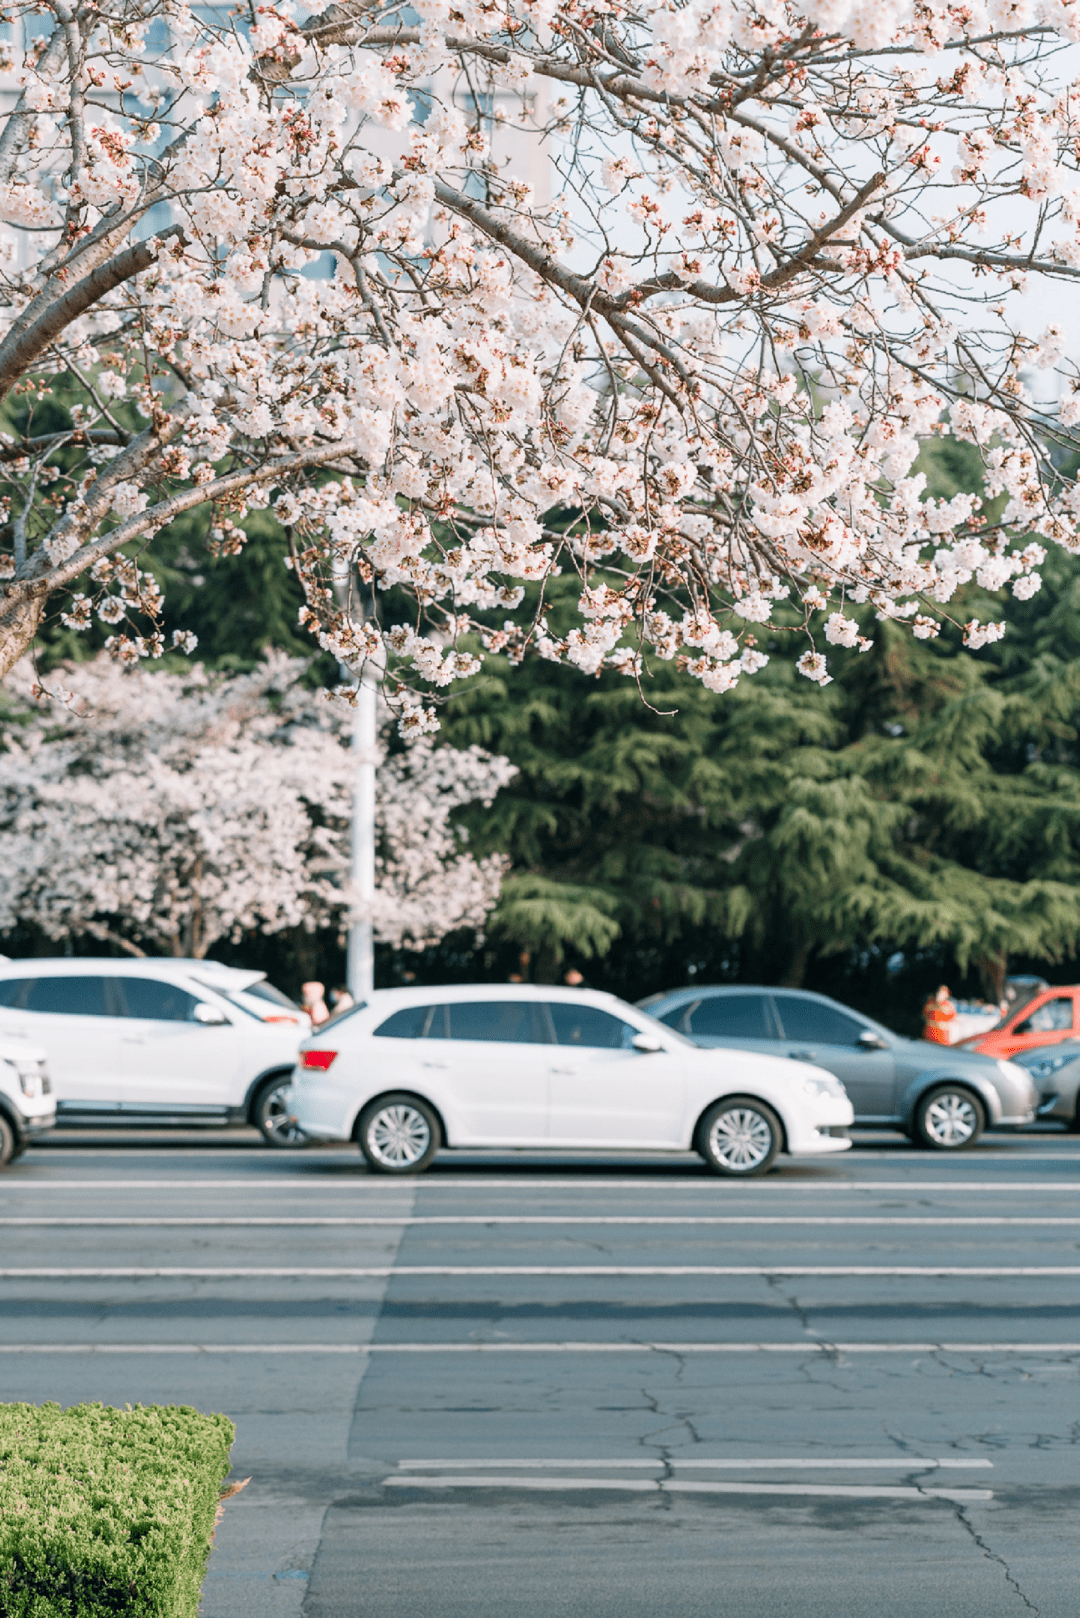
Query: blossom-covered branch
pixel 665 295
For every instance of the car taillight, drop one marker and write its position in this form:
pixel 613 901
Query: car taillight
pixel 317 1059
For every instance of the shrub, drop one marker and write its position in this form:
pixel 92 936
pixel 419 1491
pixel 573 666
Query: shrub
pixel 107 1511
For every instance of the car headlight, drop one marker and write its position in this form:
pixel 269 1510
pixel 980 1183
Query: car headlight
pixel 1015 1073
pixel 31 1079
pixel 1043 1068
pixel 823 1084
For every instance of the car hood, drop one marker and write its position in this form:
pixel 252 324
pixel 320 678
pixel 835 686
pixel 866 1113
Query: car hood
pixel 1068 1048
pixel 781 1069
pixel 14 1049
pixel 931 1055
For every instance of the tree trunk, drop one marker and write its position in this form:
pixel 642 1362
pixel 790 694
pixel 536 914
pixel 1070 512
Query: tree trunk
pixel 19 621
pixel 992 972
pixel 796 967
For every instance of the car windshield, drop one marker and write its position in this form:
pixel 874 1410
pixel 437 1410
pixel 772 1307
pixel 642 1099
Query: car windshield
pixel 266 991
pixel 663 1028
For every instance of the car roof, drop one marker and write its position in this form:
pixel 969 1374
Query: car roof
pixel 445 993
pixel 211 973
pixel 714 991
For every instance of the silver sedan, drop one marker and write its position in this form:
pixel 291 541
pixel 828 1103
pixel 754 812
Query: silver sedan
pixel 1056 1072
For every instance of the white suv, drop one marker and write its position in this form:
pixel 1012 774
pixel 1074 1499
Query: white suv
pixel 27 1105
pixel 157 1041
pixel 510 1065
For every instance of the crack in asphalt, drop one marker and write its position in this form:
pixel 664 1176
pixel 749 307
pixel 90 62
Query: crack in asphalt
pixel 993 1556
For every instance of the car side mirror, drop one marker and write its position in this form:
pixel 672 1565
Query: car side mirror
pixel 647 1043
pixel 869 1040
pixel 208 1015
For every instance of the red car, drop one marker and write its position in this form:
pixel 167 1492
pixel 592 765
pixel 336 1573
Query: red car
pixel 1049 1017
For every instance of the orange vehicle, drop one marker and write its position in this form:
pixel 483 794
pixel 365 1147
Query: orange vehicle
pixel 1048 1018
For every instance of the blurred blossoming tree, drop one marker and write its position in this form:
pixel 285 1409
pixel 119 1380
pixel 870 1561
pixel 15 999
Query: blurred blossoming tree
pixel 163 812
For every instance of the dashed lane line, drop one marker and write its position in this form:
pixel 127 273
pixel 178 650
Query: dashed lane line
pixel 893 1463
pixel 843 1491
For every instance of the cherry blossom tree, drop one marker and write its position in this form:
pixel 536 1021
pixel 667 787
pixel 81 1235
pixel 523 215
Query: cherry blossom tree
pixel 784 243
pixel 162 812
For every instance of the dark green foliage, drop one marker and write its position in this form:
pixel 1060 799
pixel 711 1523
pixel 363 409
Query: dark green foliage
pixel 107 1511
pixel 925 806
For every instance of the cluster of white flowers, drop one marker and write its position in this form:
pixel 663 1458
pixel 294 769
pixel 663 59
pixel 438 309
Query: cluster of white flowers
pixel 699 378
pixel 168 811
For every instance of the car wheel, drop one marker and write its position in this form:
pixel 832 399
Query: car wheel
pixel 739 1137
pixel 8 1151
pixel 398 1135
pixel 273 1117
pixel 949 1119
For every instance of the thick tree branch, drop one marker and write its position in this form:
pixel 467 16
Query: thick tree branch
pixel 19 351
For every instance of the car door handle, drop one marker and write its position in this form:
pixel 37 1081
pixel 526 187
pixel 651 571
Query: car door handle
pixel 435 1064
pixel 132 1039
pixel 563 1070
pixel 803 1056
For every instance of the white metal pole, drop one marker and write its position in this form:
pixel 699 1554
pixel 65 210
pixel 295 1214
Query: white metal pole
pixel 360 971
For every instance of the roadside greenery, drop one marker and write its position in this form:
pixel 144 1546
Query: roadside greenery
pixel 107 1511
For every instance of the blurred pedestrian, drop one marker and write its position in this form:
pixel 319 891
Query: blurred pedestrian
pixel 313 1000
pixel 574 980
pixel 938 1012
pixel 340 1000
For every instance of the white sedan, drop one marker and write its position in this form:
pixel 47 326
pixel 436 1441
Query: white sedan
pixel 513 1065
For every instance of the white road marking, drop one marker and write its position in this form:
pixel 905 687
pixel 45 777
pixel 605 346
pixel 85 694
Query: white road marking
pixel 814 1347
pixel 135 1272
pixel 377 1220
pixel 379 1185
pixel 894 1463
pixel 845 1491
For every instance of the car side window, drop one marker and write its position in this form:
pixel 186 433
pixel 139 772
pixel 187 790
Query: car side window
pixel 816 1023
pixel 513 1022
pixel 588 1026
pixel 411 1022
pixel 732 1016
pixel 12 991
pixel 155 999
pixel 67 997
pixel 1053 1016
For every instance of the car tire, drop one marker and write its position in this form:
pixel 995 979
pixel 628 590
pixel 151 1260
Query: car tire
pixel 739 1137
pixel 949 1118
pixel 398 1134
pixel 273 1119
pixel 9 1151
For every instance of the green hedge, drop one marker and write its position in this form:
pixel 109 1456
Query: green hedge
pixel 107 1511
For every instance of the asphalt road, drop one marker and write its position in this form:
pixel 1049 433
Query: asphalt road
pixel 605 1386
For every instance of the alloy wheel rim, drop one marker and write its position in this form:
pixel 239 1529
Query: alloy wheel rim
pixel 951 1120
pixel 398 1136
pixel 279 1122
pixel 740 1139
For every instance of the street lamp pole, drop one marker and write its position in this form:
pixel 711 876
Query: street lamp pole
pixel 360 970
pixel 360 957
